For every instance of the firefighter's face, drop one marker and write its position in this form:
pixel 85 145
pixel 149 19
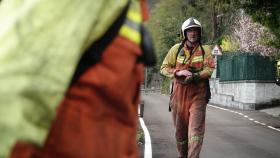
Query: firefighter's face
pixel 193 34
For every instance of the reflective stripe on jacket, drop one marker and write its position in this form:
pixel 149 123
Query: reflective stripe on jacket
pixel 132 25
pixel 205 65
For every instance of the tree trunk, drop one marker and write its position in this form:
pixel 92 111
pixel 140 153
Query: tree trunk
pixel 215 23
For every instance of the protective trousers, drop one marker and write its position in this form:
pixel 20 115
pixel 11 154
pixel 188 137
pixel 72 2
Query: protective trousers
pixel 188 105
pixel 98 116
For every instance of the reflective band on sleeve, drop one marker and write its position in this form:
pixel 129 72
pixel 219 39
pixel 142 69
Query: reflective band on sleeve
pixel 135 16
pixel 132 26
pixel 131 34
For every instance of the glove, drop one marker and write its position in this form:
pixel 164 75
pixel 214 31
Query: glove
pixel 193 78
pixel 183 73
pixel 196 76
pixel 187 80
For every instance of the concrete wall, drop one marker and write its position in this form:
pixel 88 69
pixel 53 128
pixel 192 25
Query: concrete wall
pixel 245 95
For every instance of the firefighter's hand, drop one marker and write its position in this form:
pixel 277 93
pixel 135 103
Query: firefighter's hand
pixel 188 80
pixel 185 73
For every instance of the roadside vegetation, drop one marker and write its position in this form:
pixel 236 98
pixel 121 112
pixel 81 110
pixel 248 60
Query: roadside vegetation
pixel 247 26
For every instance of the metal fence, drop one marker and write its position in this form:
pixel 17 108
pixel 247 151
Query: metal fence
pixel 245 66
pixel 278 69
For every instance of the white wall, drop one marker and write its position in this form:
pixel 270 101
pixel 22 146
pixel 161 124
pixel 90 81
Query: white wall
pixel 246 95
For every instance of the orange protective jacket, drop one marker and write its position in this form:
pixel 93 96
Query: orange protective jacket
pixel 203 64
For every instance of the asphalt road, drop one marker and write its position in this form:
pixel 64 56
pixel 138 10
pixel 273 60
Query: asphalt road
pixel 229 134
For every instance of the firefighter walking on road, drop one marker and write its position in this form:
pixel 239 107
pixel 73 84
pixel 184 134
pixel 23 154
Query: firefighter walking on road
pixel 191 65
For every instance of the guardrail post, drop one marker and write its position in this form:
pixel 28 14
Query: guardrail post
pixel 141 109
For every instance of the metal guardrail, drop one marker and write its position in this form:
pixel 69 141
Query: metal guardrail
pixel 145 91
pixel 141 104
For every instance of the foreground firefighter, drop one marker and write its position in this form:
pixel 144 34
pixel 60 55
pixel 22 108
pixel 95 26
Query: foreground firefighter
pixel 70 76
pixel 190 64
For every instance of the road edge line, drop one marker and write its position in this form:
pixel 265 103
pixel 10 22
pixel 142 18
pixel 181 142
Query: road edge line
pixel 251 119
pixel 148 144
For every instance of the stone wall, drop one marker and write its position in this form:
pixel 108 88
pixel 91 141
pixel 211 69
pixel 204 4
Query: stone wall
pixel 244 95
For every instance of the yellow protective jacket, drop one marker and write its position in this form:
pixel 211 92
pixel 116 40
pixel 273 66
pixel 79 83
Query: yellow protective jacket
pixel 205 65
pixel 41 42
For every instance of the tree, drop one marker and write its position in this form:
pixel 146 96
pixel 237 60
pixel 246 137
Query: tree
pixel 249 35
pixel 264 12
pixel 218 9
pixel 267 13
pixel 164 24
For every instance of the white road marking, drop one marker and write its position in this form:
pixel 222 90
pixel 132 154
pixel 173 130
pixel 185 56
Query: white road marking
pixel 148 142
pixel 274 128
pixel 263 124
pixel 245 116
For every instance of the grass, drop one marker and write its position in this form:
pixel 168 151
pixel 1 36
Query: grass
pixel 140 136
